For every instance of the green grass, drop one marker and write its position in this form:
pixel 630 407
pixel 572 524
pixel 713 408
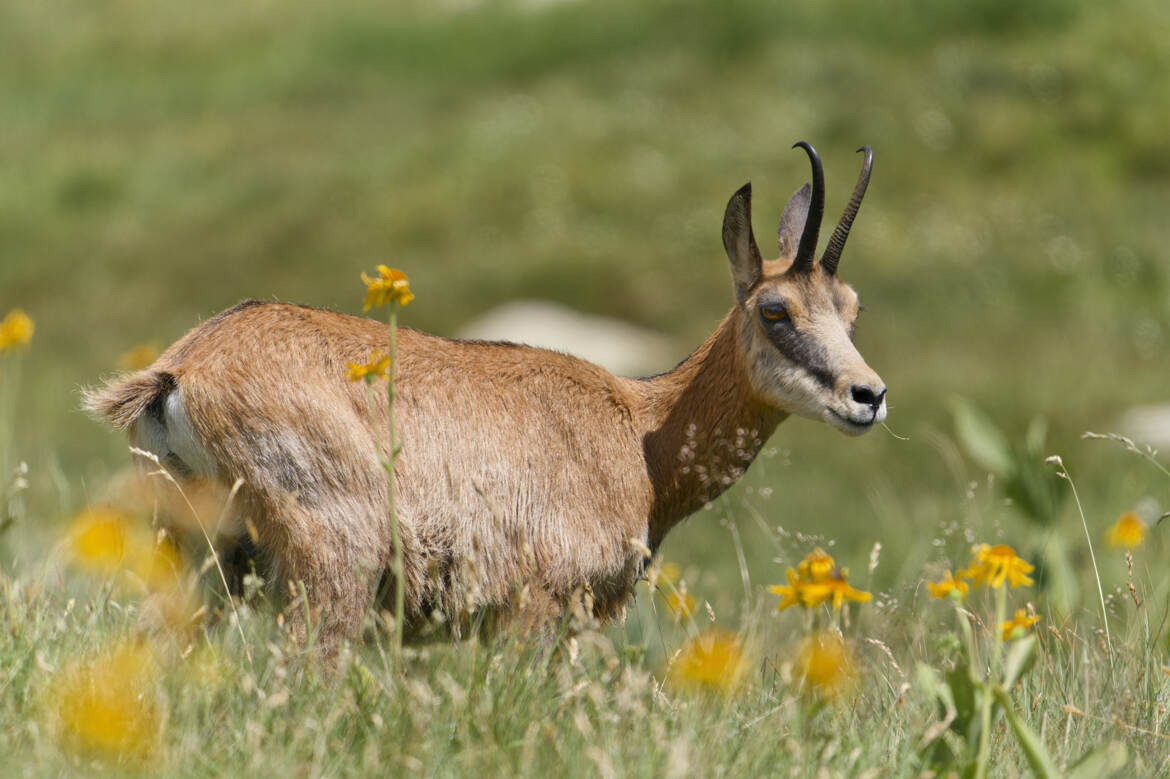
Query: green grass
pixel 160 162
pixel 596 702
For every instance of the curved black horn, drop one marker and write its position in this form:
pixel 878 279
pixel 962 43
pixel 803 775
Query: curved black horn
pixel 832 253
pixel 816 212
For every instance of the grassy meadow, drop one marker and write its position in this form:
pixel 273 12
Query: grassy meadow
pixel 160 162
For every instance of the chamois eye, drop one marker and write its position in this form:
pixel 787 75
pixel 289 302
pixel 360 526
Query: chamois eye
pixel 773 312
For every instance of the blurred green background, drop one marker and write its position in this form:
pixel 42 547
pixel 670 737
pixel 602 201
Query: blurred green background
pixel 160 161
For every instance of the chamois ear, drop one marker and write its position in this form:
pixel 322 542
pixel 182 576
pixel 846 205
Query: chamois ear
pixel 792 222
pixel 740 243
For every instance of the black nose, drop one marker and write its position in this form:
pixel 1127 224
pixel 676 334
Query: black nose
pixel 867 397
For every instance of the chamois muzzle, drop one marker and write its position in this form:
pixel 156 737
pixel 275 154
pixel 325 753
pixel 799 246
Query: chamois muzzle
pixel 867 396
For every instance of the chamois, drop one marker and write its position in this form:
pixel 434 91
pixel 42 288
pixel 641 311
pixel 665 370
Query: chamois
pixel 525 475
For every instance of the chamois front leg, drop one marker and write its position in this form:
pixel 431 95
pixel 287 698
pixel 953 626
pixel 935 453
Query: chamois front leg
pixel 334 562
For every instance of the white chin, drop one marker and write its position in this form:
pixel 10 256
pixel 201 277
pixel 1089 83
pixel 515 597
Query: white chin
pixel 847 426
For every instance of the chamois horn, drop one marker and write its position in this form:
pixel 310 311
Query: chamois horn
pixel 832 254
pixel 816 212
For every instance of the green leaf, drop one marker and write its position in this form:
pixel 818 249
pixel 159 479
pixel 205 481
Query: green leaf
pixel 936 752
pixel 1034 487
pixel 963 696
pixel 1019 659
pixel 931 683
pixel 1100 763
pixel 1056 575
pixel 1036 436
pixel 1034 751
pixel 984 442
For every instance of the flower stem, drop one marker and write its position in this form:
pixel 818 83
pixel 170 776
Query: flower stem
pixel 984 731
pixel 997 628
pixel 392 453
pixel 1063 472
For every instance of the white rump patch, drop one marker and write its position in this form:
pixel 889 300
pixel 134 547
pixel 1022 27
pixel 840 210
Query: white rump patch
pixel 181 438
pixel 173 438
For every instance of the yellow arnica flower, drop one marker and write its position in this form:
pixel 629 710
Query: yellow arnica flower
pixel 826 664
pixel 108 542
pixel 817 578
pixel 1128 531
pixel 16 329
pixel 105 707
pixel 377 368
pixel 139 357
pixel 834 587
pixel 712 662
pixel 948 586
pixel 98 539
pixel 790 594
pixel 816 567
pixel 992 565
pixel 391 285
pixel 1022 621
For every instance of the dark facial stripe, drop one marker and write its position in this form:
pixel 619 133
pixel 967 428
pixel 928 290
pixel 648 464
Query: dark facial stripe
pixel 803 350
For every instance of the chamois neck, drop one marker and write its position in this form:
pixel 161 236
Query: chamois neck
pixel 702 427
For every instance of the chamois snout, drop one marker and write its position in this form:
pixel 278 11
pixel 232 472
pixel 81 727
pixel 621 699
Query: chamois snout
pixel 865 395
pixel 859 401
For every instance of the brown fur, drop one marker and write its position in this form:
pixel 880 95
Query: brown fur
pixel 525 475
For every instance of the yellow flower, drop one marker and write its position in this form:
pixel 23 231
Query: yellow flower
pixel 713 662
pixel 826 664
pixel 16 329
pixel 816 567
pixel 817 578
pixel 1128 531
pixel 1022 621
pixel 377 368
pixel 835 587
pixel 105 707
pixel 391 285
pixel 949 585
pixel 98 539
pixel 106 541
pixel 991 565
pixel 139 357
pixel 681 604
pixel 790 594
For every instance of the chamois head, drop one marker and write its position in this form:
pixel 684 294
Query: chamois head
pixel 797 316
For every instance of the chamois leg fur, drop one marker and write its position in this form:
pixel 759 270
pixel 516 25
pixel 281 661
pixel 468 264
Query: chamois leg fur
pixel 536 613
pixel 337 566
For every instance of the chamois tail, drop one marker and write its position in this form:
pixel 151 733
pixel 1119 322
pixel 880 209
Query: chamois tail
pixel 126 398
